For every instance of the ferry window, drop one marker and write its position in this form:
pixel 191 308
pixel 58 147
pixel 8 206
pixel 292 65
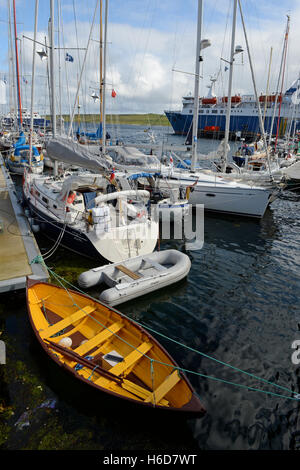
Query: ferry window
pixel 191 110
pixel 54 206
pixel 214 111
pixel 45 200
pixel 201 111
pixel 207 111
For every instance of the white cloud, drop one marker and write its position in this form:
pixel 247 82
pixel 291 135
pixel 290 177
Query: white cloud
pixel 140 62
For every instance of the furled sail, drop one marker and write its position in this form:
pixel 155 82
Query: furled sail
pixel 68 151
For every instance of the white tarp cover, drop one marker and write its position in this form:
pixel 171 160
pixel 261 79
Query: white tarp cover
pixel 133 156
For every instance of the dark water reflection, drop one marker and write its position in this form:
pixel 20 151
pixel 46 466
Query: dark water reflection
pixel 239 305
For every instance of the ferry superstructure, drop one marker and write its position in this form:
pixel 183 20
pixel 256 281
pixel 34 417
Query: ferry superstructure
pixel 244 121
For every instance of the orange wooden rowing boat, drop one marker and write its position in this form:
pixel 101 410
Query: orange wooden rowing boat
pixel 106 350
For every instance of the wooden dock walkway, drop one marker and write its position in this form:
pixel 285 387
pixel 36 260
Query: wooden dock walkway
pixel 18 246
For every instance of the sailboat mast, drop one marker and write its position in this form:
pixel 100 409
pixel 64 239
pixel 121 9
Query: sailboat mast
pixel 17 65
pixel 261 124
pixel 228 111
pixel 33 79
pixel 196 92
pixel 268 81
pixel 282 82
pixel 81 71
pixel 278 82
pixel 12 82
pixel 104 80
pixel 59 65
pixel 52 75
pixel 101 64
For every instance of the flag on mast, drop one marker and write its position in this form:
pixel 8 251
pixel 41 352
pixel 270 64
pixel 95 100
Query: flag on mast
pixel 69 58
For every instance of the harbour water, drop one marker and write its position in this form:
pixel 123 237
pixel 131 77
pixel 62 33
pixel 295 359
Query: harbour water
pixel 239 305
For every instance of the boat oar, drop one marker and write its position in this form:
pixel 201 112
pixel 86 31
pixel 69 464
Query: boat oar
pixel 81 360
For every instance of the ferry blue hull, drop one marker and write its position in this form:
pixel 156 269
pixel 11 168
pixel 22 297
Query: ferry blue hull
pixel 38 122
pixel 247 125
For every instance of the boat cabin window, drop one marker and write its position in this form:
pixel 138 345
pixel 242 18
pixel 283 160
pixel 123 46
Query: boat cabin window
pixel 45 200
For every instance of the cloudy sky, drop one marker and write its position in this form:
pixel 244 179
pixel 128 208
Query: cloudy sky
pixel 151 50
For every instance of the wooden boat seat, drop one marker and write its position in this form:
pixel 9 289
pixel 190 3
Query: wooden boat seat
pixel 131 359
pixel 130 387
pixel 141 392
pixel 127 271
pixel 163 388
pixel 65 322
pixel 101 337
pixel 156 265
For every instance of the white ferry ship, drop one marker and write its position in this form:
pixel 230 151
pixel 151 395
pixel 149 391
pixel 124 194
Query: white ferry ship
pixel 38 120
pixel 244 121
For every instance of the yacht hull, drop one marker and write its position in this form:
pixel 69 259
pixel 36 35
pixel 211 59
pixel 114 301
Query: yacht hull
pixel 112 246
pixel 238 200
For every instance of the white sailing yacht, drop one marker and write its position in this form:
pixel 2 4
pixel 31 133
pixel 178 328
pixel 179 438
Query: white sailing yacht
pixel 85 212
pixel 256 162
pixel 218 192
pixel 80 213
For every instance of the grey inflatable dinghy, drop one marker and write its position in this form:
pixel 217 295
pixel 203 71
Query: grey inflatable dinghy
pixel 137 276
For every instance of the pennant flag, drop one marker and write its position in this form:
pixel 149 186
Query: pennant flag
pixel 43 54
pixel 95 97
pixel 112 176
pixel 69 58
pixel 113 93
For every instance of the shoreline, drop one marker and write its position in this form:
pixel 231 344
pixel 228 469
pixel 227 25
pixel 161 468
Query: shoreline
pixel 146 120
